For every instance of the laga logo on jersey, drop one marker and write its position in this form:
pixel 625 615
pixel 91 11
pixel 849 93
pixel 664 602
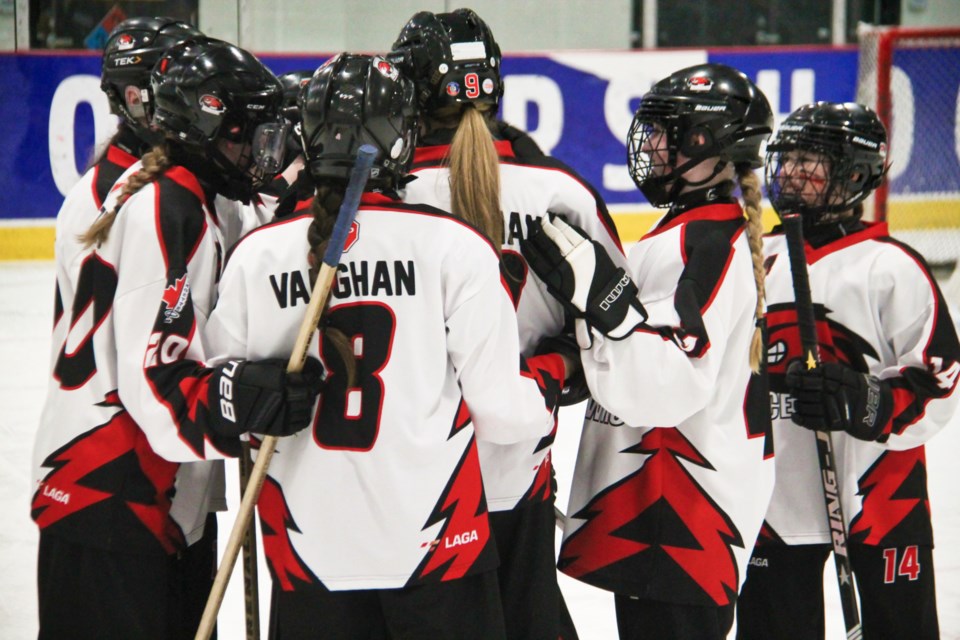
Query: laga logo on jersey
pixel 175 298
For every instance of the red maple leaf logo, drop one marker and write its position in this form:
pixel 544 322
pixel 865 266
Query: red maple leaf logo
pixel 171 295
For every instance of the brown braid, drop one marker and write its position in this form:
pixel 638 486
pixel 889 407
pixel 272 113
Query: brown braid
pixel 326 204
pixel 750 189
pixel 154 162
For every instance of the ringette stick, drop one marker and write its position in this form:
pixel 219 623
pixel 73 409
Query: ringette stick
pixel 318 300
pixel 806 323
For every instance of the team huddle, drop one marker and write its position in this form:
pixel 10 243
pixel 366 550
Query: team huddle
pixel 482 285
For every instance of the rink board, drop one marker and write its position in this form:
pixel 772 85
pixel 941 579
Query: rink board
pixel 577 105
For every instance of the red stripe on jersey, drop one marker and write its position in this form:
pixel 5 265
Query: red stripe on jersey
pixel 119 157
pixel 93 187
pixel 871 230
pixel 188 181
pixel 717 212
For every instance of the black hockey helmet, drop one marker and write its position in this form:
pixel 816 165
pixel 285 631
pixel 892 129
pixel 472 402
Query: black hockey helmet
pixel 293 83
pixel 354 100
pixel 131 51
pixel 219 101
pixel 452 58
pixel 705 111
pixel 825 159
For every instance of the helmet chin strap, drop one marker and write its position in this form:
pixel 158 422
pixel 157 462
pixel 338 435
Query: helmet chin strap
pixel 680 183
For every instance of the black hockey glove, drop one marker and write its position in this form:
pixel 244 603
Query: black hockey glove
pixel 834 397
pixel 580 274
pixel 575 388
pixel 260 396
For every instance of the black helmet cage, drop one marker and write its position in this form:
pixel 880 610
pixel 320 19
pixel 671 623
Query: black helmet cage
pixel 131 51
pixel 846 143
pixel 211 95
pixel 452 57
pixel 354 100
pixel 705 111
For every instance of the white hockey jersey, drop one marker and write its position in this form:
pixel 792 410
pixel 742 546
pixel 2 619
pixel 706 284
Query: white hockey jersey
pixel 530 188
pixel 115 424
pixel 879 310
pixel 673 472
pixel 384 490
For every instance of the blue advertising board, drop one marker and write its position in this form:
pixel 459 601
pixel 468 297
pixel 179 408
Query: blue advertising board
pixel 576 105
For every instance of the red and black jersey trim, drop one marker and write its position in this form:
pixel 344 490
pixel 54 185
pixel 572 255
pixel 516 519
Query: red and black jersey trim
pixel 463 545
pixel 895 507
pixel 106 173
pixel 707 242
pixel 288 569
pixel 107 488
pixel 657 534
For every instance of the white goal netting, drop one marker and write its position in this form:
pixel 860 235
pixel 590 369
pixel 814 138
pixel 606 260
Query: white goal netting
pixel 911 77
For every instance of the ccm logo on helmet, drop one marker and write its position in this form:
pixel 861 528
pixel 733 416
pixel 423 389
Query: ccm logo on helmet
pixel 212 104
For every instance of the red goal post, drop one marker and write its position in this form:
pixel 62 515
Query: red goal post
pixel 911 77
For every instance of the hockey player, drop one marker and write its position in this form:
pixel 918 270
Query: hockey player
pixel 294 196
pixel 375 522
pixel 886 386
pixel 672 476
pixel 129 397
pixel 498 179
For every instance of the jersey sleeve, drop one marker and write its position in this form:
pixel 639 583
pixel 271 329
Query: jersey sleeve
pixel 922 335
pixel 667 370
pixel 226 332
pixel 580 203
pixel 484 346
pixel 162 303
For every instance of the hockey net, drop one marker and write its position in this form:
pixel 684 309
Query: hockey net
pixel 911 77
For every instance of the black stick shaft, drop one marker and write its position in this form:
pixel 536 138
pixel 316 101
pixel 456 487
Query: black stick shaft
pixel 251 579
pixel 807 324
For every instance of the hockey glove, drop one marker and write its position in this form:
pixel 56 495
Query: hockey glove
pixel 580 274
pixel 834 397
pixel 575 388
pixel 260 396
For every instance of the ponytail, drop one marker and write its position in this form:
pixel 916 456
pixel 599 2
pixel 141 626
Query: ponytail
pixel 154 162
pixel 475 175
pixel 750 190
pixel 326 204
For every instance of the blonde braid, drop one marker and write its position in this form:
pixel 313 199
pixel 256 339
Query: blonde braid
pixel 750 189
pixel 154 162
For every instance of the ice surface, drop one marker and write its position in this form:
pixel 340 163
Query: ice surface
pixel 26 307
